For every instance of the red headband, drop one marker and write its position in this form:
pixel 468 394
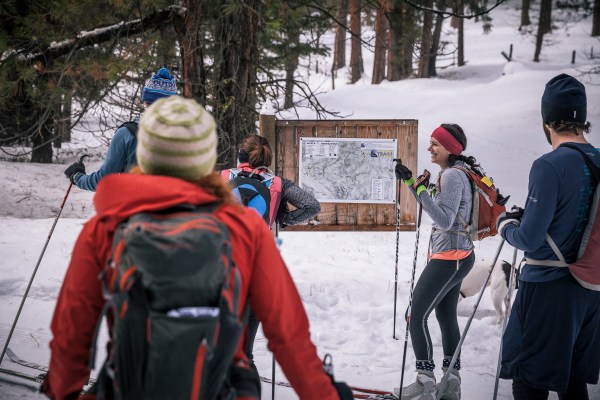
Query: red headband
pixel 446 139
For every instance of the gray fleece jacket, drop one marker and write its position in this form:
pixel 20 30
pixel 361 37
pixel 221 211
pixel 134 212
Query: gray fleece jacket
pixel 453 198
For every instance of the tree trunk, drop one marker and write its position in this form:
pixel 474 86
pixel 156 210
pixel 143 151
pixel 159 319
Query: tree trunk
pixel 42 143
pixel 435 44
pixel 291 64
pixel 237 34
pixel 525 20
pixel 356 66
pixel 545 15
pixel 189 36
pixel 461 35
pixel 401 41
pixel 339 52
pixel 380 43
pixel 596 19
pixel 426 36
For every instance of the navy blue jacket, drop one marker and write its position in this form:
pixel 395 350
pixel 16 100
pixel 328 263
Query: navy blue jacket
pixel 558 203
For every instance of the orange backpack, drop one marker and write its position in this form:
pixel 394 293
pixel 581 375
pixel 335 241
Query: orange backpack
pixel 487 205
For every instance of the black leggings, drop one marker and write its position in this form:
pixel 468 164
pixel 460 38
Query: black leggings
pixel 522 391
pixel 438 288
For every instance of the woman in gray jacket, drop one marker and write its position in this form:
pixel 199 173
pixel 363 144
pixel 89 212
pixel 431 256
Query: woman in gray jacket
pixel 449 204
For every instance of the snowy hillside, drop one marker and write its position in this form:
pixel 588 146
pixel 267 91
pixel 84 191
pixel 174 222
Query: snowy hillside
pixel 346 279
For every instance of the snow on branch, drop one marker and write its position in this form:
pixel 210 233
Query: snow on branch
pixel 96 36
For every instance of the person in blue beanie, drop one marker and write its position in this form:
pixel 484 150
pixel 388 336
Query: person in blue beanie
pixel 121 151
pixel 552 339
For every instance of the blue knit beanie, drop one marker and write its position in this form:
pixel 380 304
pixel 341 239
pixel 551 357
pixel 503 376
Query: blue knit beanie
pixel 162 84
pixel 564 100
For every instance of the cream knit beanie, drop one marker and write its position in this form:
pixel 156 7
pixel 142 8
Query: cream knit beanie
pixel 177 137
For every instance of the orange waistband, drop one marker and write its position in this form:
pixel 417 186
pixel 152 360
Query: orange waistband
pixel 451 255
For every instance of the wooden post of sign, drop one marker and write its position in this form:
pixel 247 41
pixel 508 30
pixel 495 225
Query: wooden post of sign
pixel 266 128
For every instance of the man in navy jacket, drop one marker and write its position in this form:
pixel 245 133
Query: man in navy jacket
pixel 121 151
pixel 552 340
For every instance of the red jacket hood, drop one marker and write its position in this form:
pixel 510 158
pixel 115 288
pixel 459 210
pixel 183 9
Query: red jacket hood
pixel 121 195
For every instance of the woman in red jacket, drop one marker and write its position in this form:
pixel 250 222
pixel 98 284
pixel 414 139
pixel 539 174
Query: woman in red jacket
pixel 176 154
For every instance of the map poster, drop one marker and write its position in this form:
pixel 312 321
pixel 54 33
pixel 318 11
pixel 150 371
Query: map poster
pixel 348 170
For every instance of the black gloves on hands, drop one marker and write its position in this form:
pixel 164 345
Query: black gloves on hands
pixel 73 169
pixel 402 172
pixel 509 217
pixel 342 388
pixel 420 184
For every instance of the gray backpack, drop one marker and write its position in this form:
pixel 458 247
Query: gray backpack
pixel 174 297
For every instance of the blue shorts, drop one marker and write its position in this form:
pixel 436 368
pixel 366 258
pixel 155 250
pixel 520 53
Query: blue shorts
pixel 553 335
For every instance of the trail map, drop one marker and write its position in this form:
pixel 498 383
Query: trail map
pixel 348 170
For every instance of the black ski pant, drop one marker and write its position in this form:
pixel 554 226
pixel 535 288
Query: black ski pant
pixel 523 391
pixel 438 289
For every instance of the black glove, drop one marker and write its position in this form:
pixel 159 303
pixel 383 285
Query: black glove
pixel 402 172
pixel 343 390
pixel 73 169
pixel 509 217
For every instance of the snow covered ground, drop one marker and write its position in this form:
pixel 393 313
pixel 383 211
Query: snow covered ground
pixel 346 279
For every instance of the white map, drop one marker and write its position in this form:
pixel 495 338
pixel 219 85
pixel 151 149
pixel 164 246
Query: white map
pixel 348 170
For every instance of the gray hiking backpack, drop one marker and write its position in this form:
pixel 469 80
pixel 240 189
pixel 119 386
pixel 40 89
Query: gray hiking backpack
pixel 174 296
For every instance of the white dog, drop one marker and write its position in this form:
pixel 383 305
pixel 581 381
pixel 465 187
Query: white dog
pixel 498 284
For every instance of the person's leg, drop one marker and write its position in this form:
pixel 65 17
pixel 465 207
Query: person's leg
pixel 436 280
pixel 585 364
pixel 445 311
pixel 430 288
pixel 446 315
pixel 547 343
pixel 575 391
pixel 523 391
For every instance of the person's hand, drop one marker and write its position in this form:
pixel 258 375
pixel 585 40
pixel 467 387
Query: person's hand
pixel 509 217
pixel 343 390
pixel 74 169
pixel 422 182
pixel 402 172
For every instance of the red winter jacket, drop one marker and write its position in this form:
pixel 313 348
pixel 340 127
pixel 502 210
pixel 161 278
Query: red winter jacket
pixel 266 282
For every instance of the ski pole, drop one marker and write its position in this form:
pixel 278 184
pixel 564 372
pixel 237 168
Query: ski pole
pixel 464 333
pixel 14 324
pixel 412 282
pixel 507 301
pixel 397 250
pixel 273 355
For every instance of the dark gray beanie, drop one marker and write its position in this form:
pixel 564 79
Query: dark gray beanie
pixel 564 100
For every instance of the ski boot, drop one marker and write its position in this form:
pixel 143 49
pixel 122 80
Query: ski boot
pixel 423 388
pixel 451 390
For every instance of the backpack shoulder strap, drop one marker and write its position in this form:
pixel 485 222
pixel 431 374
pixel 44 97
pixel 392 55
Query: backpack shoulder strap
pixel 131 126
pixel 594 169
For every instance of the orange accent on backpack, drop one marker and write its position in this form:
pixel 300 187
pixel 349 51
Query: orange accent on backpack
pixel 485 207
